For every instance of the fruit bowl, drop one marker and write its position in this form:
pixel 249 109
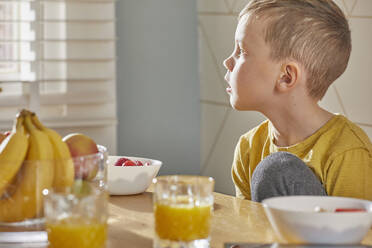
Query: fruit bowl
pixel 36 160
pixel 319 219
pixel 130 180
pixel 21 201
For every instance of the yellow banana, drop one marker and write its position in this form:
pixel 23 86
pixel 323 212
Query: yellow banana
pixel 64 165
pixel 11 188
pixel 36 175
pixel 12 153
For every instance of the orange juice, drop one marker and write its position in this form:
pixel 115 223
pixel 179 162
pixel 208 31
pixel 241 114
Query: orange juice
pixel 77 233
pixel 181 222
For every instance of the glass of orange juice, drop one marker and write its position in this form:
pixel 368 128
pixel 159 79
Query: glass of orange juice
pixel 77 217
pixel 183 208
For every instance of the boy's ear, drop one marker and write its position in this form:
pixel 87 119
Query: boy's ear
pixel 288 77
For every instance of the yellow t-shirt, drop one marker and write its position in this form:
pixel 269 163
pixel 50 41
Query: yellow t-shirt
pixel 339 153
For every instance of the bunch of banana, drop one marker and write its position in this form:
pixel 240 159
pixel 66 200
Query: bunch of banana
pixel 64 165
pixel 46 163
pixel 12 153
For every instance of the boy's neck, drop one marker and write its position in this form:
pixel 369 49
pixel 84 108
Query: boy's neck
pixel 292 127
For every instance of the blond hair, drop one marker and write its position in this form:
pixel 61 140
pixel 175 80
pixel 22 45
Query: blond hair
pixel 315 33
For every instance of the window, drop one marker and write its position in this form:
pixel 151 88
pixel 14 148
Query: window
pixel 8 50
pixel 57 57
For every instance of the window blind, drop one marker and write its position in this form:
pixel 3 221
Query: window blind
pixel 57 57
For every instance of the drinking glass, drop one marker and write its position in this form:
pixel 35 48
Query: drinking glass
pixel 77 216
pixel 183 207
pixel 76 219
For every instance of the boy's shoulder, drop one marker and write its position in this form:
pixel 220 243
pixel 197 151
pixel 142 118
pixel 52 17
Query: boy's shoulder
pixel 257 134
pixel 347 135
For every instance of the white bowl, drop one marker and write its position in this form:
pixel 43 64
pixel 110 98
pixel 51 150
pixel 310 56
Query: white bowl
pixel 130 180
pixel 295 220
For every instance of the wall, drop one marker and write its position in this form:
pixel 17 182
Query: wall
pixel 221 126
pixel 158 83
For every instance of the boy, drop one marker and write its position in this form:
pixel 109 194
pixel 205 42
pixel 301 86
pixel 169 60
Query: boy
pixel 287 53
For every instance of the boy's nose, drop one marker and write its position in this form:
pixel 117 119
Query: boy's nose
pixel 228 63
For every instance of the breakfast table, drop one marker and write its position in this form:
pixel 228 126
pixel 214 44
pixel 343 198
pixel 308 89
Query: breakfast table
pixel 234 220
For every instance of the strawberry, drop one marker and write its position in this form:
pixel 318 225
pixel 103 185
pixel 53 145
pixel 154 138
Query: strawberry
pixel 129 163
pixel 350 210
pixel 138 163
pixel 121 161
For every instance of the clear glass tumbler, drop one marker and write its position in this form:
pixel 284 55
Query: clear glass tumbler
pixel 77 216
pixel 183 207
pixel 76 219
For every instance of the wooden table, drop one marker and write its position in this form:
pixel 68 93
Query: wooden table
pixel 131 222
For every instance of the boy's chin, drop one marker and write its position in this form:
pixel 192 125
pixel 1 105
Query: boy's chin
pixel 235 105
pixel 239 108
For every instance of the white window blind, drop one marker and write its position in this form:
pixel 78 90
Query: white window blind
pixel 57 57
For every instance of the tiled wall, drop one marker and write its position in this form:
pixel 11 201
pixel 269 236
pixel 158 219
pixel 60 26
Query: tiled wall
pixel 221 126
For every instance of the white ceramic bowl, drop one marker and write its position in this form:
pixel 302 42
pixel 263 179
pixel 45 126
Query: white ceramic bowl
pixel 130 180
pixel 295 220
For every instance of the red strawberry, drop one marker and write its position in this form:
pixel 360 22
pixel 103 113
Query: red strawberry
pixel 350 210
pixel 129 163
pixel 138 163
pixel 121 161
pixel 147 163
